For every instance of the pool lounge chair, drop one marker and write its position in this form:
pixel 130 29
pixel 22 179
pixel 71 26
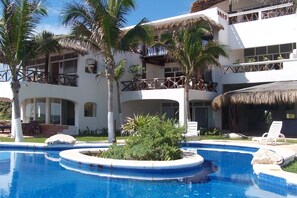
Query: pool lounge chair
pixel 192 129
pixel 272 135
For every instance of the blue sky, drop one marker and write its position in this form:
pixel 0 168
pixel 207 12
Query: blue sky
pixel 151 9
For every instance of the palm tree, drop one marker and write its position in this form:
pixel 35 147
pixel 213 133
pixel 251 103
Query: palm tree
pixel 17 28
pixel 97 26
pixel 48 43
pixel 118 74
pixel 189 47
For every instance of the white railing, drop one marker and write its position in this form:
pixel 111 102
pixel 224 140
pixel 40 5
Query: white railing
pixel 255 66
pixel 262 13
pixel 156 51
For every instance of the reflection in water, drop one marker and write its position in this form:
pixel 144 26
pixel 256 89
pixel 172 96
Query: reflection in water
pixel 5 174
pixel 28 174
pixel 202 176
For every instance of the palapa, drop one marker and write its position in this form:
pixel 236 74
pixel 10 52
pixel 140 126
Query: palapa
pixel 270 93
pixel 203 4
pixel 185 23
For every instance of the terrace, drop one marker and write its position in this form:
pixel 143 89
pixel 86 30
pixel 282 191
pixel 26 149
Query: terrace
pixel 254 66
pixel 167 83
pixel 38 76
pixel 261 13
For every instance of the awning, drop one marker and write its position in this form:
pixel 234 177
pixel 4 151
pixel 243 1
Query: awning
pixel 270 93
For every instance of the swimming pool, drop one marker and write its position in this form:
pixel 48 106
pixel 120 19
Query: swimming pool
pixel 28 173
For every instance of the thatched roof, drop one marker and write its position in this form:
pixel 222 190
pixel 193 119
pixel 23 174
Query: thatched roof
pixel 188 21
pixel 203 4
pixel 271 93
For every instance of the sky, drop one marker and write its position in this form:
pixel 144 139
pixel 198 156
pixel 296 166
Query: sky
pixel 151 9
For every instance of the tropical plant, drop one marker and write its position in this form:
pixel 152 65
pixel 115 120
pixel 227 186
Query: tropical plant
pixel 17 31
pixel 118 74
pixel 136 71
pixel 97 25
pixel 48 43
pixel 5 110
pixel 189 47
pixel 152 138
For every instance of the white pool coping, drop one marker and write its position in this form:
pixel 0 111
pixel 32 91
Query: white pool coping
pixel 189 162
pixel 273 170
pixel 267 169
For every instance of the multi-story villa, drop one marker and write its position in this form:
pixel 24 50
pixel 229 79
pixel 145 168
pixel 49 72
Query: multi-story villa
pixel 261 40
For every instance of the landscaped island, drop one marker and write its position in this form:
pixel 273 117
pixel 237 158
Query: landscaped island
pixel 150 138
pixel 152 152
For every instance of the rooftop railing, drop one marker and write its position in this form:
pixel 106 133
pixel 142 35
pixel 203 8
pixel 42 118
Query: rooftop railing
pixel 262 13
pixel 156 51
pixel 41 77
pixel 167 83
pixel 255 66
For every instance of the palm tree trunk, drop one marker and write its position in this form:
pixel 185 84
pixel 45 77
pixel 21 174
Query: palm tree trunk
pixel 119 103
pixel 16 120
pixel 188 114
pixel 110 77
pixel 46 67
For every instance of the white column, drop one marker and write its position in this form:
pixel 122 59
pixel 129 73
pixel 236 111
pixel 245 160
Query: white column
pixel 47 111
pixel 34 103
pixel 218 118
pixel 182 112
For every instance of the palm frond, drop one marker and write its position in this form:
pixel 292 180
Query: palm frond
pixel 120 69
pixel 140 33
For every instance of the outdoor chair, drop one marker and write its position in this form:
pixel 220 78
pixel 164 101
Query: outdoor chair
pixel 272 135
pixel 192 129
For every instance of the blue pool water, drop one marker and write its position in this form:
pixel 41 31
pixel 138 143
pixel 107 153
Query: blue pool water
pixel 38 174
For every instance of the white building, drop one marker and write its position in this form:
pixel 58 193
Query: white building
pixel 256 34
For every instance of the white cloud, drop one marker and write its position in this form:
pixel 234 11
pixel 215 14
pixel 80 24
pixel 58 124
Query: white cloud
pixel 54 28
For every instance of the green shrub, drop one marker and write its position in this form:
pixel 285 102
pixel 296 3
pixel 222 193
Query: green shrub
pixel 211 131
pixel 151 138
pixel 88 132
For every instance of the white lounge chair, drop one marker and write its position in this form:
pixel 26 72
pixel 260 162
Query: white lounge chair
pixel 272 135
pixel 192 129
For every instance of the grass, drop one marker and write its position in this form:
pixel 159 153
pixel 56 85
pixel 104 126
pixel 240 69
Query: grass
pixel 78 138
pixel 292 167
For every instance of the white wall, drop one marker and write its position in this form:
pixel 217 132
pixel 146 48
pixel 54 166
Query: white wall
pixel 89 89
pixel 5 93
pixel 154 71
pixel 143 107
pixel 273 31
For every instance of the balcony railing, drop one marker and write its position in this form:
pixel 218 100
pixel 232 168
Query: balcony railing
pixel 155 51
pixel 262 13
pixel 40 77
pixel 255 66
pixel 167 83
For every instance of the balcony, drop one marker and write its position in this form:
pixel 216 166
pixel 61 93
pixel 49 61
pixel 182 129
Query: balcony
pixel 254 66
pixel 262 13
pixel 155 55
pixel 41 77
pixel 260 72
pixel 167 83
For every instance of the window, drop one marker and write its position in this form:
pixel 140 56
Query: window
pixel 40 110
pixel 249 52
pixel 269 52
pixel 261 50
pixel 91 66
pixel 29 113
pixel 70 67
pixel 55 108
pixel 90 109
pixel 173 72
